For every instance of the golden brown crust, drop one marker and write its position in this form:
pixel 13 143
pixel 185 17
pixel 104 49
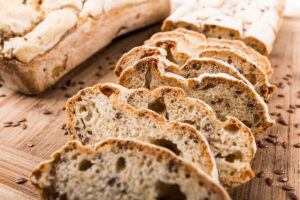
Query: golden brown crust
pixel 37 75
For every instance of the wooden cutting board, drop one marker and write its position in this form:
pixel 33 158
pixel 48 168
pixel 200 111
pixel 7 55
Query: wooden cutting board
pixel 22 148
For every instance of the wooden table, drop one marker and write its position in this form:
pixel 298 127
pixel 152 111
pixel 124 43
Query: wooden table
pixel 45 118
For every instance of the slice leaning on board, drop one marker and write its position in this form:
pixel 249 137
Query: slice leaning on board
pixel 122 169
pixel 232 143
pixel 96 114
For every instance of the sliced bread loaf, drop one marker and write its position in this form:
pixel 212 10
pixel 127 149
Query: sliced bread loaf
pixel 122 169
pixel 253 21
pixel 231 142
pixel 198 40
pixel 179 49
pixel 254 74
pixel 225 94
pixel 96 114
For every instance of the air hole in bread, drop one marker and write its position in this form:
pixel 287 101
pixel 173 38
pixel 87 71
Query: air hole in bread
pixel 168 191
pixel 148 78
pixel 82 109
pixel 256 118
pixel 209 86
pixel 89 115
pixel 251 78
pixel 85 165
pixel 235 156
pixel 167 144
pixel 145 55
pixel 106 91
pixel 170 56
pixel 232 128
pixel 247 123
pixel 121 164
pixel 157 105
pixel 90 132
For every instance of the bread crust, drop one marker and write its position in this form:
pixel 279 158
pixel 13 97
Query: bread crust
pixel 219 21
pixel 75 47
pixel 118 144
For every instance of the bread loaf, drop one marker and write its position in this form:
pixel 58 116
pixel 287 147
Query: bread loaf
pixel 122 169
pixel 225 94
pixel 96 114
pixel 43 40
pixel 231 142
pixel 181 49
pixel 254 22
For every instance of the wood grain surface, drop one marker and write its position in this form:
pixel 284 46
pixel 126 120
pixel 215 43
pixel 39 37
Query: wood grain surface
pixel 24 144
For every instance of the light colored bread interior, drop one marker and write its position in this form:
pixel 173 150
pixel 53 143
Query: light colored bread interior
pixel 122 169
pixel 225 94
pixel 96 114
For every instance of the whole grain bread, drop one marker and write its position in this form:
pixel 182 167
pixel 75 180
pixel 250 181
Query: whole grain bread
pixel 33 58
pixel 97 113
pixel 199 44
pixel 179 52
pixel 254 22
pixel 231 142
pixel 122 169
pixel 227 95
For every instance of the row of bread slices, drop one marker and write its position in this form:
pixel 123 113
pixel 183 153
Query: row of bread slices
pixel 179 125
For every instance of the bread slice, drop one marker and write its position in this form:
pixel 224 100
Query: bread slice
pixel 122 169
pixel 231 142
pixel 254 74
pixel 96 114
pixel 212 61
pixel 253 22
pixel 37 48
pixel 198 40
pixel 225 94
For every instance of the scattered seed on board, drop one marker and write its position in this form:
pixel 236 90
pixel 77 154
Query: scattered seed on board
pixel 288 188
pixel 29 144
pixel 297 145
pixel 284 145
pixel 293 196
pixel 282 122
pixel 283 179
pixel 63 126
pixel 21 180
pixel 23 120
pixel 272 136
pixel 24 126
pixel 279 172
pixel 47 112
pixel 260 174
pixel 270 140
pixel 269 181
